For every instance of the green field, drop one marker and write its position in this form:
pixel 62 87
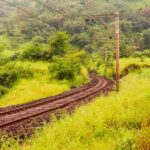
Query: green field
pixel 118 121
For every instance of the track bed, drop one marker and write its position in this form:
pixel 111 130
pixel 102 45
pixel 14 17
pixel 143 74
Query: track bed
pixel 22 119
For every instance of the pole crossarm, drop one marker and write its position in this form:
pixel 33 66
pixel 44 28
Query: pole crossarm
pixel 100 16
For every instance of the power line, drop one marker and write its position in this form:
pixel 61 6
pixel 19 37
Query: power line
pixel 13 5
pixel 52 9
pixel 3 15
pixel 48 6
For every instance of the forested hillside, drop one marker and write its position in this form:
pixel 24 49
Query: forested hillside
pixel 24 21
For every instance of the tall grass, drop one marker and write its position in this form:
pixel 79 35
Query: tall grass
pixel 35 82
pixel 116 122
pixel 124 63
pixel 29 90
pixel 39 85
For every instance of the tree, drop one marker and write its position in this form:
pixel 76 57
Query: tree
pixel 59 43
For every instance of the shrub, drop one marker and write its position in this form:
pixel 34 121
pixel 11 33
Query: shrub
pixel 63 68
pixel 8 77
pixel 3 90
pixel 36 52
pixel 59 43
pixel 69 66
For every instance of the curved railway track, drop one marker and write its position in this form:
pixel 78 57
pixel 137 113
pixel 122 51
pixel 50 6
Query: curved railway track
pixel 21 118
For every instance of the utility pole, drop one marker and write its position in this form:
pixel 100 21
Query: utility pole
pixel 117 38
pixel 105 69
pixel 117 35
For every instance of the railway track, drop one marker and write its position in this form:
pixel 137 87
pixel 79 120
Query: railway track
pixel 21 118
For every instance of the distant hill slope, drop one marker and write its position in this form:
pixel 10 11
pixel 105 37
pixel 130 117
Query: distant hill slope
pixel 23 20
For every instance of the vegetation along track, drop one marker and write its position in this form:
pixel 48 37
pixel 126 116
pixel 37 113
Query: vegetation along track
pixel 22 119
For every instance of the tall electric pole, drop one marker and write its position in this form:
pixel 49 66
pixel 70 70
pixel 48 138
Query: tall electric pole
pixel 117 35
pixel 117 39
pixel 105 69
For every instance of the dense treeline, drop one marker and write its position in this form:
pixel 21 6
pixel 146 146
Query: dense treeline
pixel 57 32
pixel 39 20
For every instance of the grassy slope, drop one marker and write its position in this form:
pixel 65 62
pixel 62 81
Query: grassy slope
pixel 36 87
pixel 40 86
pixel 118 121
pixel 28 90
pixel 124 63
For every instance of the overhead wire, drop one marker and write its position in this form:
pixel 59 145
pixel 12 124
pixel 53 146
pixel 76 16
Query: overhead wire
pixel 3 14
pixel 13 5
pixel 43 4
pixel 48 6
pixel 65 15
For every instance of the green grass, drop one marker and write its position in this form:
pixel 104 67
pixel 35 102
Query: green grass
pixel 33 89
pixel 125 62
pixel 116 122
pixel 40 85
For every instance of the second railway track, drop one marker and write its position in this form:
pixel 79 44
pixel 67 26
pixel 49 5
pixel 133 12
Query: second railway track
pixel 11 118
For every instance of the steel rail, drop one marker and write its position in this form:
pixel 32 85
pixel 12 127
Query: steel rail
pixel 44 101
pixel 92 91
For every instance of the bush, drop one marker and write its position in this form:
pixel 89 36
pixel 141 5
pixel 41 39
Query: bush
pixel 69 66
pixel 36 52
pixel 59 43
pixel 8 77
pixel 63 68
pixel 3 90
pixel 10 73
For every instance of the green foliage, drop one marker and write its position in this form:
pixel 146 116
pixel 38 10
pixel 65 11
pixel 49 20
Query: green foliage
pixel 129 63
pixel 10 73
pixel 64 68
pixel 8 77
pixel 4 43
pixel 3 90
pixel 36 52
pixel 80 40
pixel 142 54
pixel 59 43
pixel 134 22
pixel 146 53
